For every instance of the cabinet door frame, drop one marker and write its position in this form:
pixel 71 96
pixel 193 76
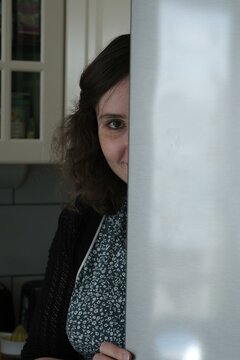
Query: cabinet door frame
pixel 75 49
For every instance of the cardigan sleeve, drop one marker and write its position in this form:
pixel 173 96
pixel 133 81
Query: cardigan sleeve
pixel 47 335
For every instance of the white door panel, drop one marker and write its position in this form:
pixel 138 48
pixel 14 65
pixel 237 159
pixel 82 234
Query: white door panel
pixel 183 295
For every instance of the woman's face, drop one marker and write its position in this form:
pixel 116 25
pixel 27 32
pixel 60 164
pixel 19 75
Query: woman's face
pixel 112 117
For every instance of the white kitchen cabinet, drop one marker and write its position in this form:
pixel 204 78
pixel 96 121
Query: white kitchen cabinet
pixel 91 25
pixel 37 92
pixel 32 73
pixel 107 19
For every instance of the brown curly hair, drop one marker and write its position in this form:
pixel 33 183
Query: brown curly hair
pixel 78 144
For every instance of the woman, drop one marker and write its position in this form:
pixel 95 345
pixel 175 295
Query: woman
pixel 82 310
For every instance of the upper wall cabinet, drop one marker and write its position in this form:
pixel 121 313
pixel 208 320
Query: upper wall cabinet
pixel 91 25
pixel 32 72
pixel 106 20
pixel 44 46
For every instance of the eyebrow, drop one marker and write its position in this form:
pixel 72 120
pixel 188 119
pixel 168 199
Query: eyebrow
pixel 111 116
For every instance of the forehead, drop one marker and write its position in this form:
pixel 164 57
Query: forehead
pixel 116 99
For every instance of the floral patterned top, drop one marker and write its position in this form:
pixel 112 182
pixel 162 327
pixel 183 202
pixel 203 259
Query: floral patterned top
pixel 97 307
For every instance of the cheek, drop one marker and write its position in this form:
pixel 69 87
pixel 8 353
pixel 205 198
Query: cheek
pixel 107 147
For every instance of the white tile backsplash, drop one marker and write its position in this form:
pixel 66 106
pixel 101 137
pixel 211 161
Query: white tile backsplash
pixel 28 221
pixel 26 234
pixel 12 176
pixel 43 185
pixel 6 196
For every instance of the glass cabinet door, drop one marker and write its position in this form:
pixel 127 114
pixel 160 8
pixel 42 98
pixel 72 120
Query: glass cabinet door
pixel 25 105
pixel 26 30
pixel 25 85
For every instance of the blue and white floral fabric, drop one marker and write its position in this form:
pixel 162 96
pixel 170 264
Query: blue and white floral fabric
pixel 97 307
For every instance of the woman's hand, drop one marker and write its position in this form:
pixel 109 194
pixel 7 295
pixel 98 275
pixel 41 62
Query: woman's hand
pixel 110 351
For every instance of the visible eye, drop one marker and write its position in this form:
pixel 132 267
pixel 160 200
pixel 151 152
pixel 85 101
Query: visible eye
pixel 115 124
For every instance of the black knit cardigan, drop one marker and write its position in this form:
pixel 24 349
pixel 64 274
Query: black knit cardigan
pixel 47 335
